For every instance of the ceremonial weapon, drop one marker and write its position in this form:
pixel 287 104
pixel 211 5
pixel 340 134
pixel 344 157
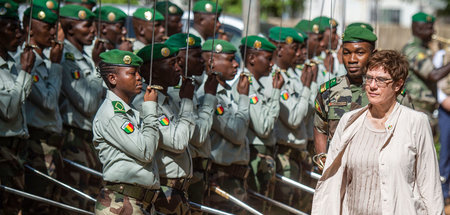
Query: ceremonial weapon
pixel 276 203
pixel 207 209
pixel 44 200
pixel 233 199
pixel 294 184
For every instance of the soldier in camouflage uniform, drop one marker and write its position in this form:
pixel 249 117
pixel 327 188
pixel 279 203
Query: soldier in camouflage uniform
pixel 229 144
pixel 143 27
pixel 172 16
pixel 126 140
pixel 200 144
pixel 422 78
pixel 81 96
pixel 345 93
pixel 15 86
pixel 176 125
pixel 43 118
pixel 264 95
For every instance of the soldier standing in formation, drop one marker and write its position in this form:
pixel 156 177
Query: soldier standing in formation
pixel 165 142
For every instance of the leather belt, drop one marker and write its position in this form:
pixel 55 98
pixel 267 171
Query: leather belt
pixel 139 193
pixel 175 183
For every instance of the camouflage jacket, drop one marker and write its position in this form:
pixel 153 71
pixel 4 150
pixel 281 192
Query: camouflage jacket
pixel 420 64
pixel 339 96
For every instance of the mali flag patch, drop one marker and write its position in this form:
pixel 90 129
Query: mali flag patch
pixel 285 95
pixel 35 78
pixel 318 109
pixel 253 99
pixel 219 109
pixel 76 74
pixel 164 120
pixel 128 127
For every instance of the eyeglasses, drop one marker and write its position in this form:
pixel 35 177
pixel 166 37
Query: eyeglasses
pixel 380 81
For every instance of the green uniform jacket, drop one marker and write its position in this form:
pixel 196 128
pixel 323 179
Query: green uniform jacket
pixel 200 144
pixel 81 88
pixel 264 112
pixel 294 104
pixel 229 143
pixel 15 86
pixel 42 103
pixel 176 126
pixel 126 144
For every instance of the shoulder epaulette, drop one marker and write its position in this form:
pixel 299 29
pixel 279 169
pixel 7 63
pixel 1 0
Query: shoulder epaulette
pixel 300 66
pixel 118 107
pixel 327 85
pixel 69 56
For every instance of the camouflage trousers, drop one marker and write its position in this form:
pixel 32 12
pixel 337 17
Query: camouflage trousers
pixel 237 187
pixel 43 154
pixel 286 166
pixel 78 148
pixel 197 184
pixel 303 198
pixel 113 203
pixel 172 201
pixel 11 174
pixel 262 175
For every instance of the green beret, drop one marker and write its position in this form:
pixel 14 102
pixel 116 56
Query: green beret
pixel 42 14
pixel 358 34
pixel 422 17
pixel 287 35
pixel 78 12
pixel 361 24
pixel 148 14
pixel 121 58
pixel 324 22
pixel 49 4
pixel 92 2
pixel 258 43
pixel 8 9
pixel 180 40
pixel 206 7
pixel 220 46
pixel 308 26
pixel 111 14
pixel 173 8
pixel 160 51
pixel 303 34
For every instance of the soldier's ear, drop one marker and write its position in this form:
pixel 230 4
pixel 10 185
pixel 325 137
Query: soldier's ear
pixel 141 30
pixel 374 51
pixel 112 78
pixel 103 28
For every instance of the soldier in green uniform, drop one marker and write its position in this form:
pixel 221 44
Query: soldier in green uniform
pixel 422 78
pixel 15 86
pixel 89 4
pixel 229 144
pixel 345 93
pixel 125 139
pixel 176 125
pixel 81 96
pixel 264 111
pixel 172 15
pixel 200 144
pixel 290 127
pixel 43 117
pixel 205 18
pixel 329 44
pixel 143 27
pixel 112 32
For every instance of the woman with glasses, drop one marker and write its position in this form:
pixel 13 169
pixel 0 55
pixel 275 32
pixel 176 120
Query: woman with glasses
pixel 381 159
